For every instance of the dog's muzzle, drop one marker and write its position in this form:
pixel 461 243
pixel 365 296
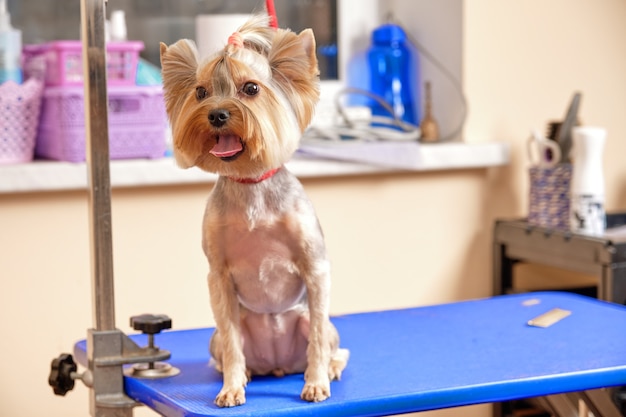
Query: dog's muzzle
pixel 218 117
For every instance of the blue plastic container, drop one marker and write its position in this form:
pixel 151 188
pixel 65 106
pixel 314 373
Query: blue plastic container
pixel 394 73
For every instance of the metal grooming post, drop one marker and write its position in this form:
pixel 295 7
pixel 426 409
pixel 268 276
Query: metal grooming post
pixel 107 396
pixel 108 349
pixel 97 145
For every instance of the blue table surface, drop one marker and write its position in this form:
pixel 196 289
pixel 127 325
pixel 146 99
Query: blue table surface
pixel 417 359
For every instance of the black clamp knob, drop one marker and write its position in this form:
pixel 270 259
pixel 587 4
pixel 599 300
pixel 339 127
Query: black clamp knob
pixel 151 323
pixel 62 374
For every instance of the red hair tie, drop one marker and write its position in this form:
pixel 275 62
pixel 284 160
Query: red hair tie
pixel 236 40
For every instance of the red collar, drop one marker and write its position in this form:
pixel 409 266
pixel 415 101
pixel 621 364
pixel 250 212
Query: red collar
pixel 263 177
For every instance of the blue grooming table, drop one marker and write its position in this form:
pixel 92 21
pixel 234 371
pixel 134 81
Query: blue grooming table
pixel 418 359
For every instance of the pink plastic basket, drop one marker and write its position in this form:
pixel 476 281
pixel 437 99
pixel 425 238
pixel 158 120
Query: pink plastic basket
pixel 137 123
pixel 19 117
pixel 61 62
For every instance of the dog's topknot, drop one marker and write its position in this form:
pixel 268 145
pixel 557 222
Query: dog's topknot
pixel 256 34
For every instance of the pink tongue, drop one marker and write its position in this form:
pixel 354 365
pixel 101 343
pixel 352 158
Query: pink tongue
pixel 227 145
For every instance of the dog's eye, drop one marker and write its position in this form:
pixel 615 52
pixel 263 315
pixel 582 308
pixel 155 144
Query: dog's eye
pixel 250 89
pixel 201 93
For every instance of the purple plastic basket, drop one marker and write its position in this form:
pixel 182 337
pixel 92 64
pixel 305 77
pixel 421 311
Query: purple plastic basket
pixel 137 123
pixel 19 116
pixel 61 62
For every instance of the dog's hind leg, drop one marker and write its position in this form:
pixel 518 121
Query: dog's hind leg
pixel 338 363
pixel 339 358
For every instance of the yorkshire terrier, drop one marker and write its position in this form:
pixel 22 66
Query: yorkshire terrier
pixel 240 113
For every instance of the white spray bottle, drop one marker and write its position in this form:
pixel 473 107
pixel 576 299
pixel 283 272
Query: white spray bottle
pixel 10 48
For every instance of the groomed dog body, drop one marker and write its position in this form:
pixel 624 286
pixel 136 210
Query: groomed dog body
pixel 240 113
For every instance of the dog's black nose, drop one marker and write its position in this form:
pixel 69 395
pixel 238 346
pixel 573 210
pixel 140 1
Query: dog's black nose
pixel 218 117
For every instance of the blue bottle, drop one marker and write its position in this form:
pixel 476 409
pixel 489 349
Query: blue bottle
pixel 394 73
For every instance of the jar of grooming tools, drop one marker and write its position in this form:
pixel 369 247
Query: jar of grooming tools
pixel 549 202
pixel 551 173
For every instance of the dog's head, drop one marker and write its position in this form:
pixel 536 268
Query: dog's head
pixel 241 112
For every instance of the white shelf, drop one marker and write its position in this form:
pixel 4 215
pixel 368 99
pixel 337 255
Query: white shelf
pixel 58 176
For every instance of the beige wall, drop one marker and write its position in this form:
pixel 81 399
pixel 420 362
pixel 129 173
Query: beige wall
pixel 395 241
pixel 524 60
pixel 399 223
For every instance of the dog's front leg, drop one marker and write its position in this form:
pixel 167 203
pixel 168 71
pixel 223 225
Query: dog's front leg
pixel 228 340
pixel 317 380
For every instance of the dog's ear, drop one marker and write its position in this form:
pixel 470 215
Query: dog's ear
pixel 294 66
pixel 293 55
pixel 179 63
pixel 307 39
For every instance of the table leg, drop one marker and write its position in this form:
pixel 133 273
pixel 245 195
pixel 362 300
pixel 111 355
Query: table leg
pixel 502 270
pixel 559 405
pixel 613 285
pixel 600 404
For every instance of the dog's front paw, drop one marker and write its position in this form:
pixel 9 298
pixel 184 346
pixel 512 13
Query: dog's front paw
pixel 315 392
pixel 230 397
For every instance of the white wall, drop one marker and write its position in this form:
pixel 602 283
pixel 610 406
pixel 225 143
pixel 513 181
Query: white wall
pixel 438 27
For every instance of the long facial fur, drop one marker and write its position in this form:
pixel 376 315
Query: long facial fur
pixel 270 123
